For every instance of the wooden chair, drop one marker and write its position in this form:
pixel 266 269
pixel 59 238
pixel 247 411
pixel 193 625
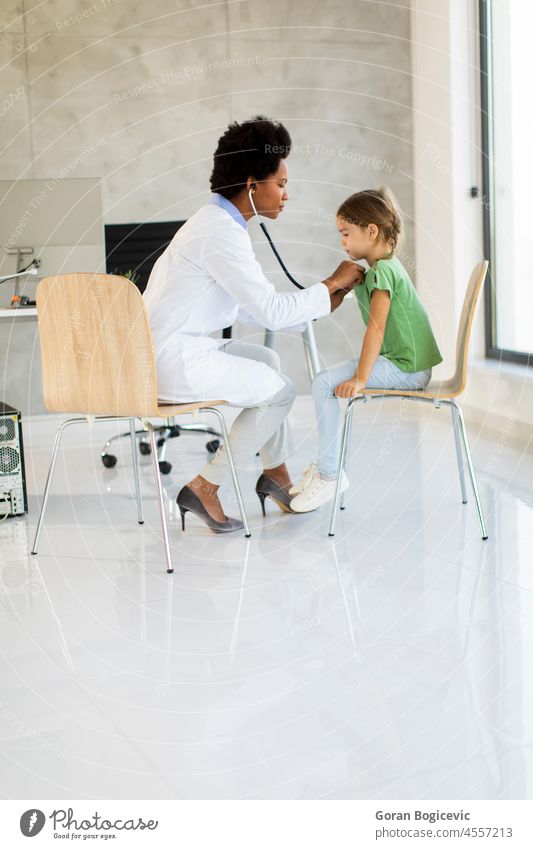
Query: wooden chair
pixel 98 360
pixel 438 393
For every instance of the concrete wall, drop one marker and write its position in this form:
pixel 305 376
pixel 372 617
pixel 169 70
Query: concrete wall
pixel 137 95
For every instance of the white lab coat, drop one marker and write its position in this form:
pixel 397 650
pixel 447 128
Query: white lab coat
pixel 197 287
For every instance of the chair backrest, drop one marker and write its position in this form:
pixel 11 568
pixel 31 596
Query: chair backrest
pixel 96 346
pixel 473 290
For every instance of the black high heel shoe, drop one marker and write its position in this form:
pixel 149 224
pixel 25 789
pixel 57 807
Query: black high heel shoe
pixel 265 486
pixel 188 502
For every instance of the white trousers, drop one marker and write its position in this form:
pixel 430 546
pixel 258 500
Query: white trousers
pixel 262 428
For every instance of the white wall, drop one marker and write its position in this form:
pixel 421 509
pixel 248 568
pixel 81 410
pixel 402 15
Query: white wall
pixel 448 229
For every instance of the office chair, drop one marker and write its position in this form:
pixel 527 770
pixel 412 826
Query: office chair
pixel 438 393
pixel 169 430
pixel 98 360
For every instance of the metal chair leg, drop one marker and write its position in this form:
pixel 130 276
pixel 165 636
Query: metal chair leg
pixel 348 442
pixel 236 485
pixel 162 450
pixel 311 351
pixel 340 467
pixel 51 470
pixel 235 629
pixel 140 517
pixel 460 418
pixel 160 497
pixel 459 455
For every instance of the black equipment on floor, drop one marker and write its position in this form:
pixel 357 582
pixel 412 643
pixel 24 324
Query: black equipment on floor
pixel 13 498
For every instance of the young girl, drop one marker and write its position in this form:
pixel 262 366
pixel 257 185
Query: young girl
pixel 399 349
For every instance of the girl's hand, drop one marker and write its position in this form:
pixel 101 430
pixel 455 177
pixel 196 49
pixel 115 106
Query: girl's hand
pixel 350 388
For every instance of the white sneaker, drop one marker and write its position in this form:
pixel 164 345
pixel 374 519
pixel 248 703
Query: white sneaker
pixel 307 473
pixel 317 492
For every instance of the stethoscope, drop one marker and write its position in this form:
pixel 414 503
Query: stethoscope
pixel 270 241
pixel 310 347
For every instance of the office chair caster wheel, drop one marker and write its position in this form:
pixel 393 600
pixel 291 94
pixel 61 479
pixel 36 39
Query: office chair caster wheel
pixel 213 446
pixel 165 467
pixel 144 448
pixel 109 460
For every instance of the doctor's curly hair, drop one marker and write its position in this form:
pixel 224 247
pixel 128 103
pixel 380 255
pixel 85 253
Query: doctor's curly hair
pixel 251 149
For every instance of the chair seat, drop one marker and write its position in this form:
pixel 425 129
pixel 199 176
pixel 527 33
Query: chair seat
pixel 435 389
pixel 167 411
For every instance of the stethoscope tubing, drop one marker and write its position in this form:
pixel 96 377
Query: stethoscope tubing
pixel 272 245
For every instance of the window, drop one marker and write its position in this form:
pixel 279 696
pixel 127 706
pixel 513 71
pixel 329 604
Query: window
pixel 507 146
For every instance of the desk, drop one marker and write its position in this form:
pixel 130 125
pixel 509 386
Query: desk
pixel 18 314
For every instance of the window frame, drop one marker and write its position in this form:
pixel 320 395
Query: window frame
pixel 492 350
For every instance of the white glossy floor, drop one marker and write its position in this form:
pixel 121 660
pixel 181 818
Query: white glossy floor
pixel 392 662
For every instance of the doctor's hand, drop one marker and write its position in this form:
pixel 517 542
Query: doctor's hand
pixel 345 277
pixel 336 298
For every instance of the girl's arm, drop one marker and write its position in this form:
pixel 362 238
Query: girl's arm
pixel 372 342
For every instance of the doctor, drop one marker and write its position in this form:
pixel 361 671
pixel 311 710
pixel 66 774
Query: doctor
pixel 197 287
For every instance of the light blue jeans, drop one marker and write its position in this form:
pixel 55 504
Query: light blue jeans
pixel 384 375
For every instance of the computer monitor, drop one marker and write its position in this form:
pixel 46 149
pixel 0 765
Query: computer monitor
pixel 56 220
pixel 132 249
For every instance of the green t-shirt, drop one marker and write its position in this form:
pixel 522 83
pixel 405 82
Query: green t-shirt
pixel 408 340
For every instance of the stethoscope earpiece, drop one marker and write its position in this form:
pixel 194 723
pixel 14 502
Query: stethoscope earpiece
pixel 250 193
